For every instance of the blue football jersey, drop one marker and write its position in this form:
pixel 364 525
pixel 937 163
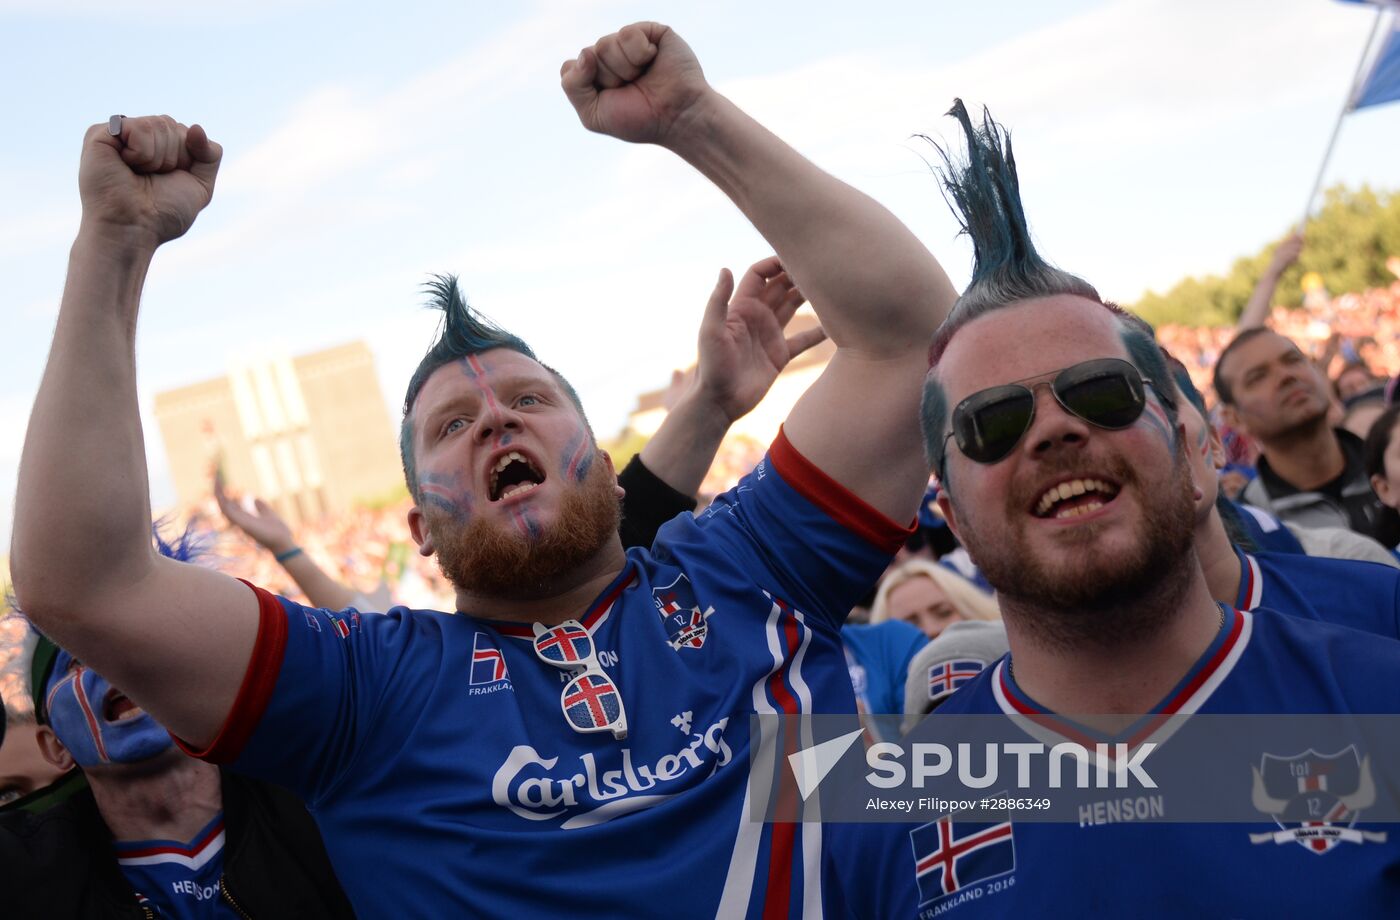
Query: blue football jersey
pixel 433 751
pixel 1259 663
pixel 1348 592
pixel 179 879
pixel 879 658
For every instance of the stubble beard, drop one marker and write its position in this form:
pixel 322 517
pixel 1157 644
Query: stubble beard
pixel 486 559
pixel 1301 429
pixel 1098 599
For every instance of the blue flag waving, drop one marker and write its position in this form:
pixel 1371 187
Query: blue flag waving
pixel 1378 79
pixel 1383 82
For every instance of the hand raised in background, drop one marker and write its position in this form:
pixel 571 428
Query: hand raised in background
pixel 263 524
pixel 742 345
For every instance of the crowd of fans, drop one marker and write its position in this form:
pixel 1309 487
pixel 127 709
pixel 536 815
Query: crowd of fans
pixel 1335 332
pixel 345 755
pixel 369 549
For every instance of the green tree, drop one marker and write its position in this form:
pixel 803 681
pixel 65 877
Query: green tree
pixel 1348 242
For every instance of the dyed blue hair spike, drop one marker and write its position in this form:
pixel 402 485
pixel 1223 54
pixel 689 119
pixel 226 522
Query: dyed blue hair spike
pixel 985 195
pixel 463 332
pixel 190 545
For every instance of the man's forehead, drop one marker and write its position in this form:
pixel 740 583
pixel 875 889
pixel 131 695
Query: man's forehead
pixel 1256 351
pixel 1028 339
pixel 494 369
pixel 1265 346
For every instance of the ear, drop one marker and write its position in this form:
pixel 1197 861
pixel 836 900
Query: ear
pixel 1217 448
pixel 1383 491
pixel 945 505
pixel 52 749
pixel 418 527
pixel 612 472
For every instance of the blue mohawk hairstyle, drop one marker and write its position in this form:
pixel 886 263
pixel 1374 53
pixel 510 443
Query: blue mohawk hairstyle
pixel 984 192
pixel 462 332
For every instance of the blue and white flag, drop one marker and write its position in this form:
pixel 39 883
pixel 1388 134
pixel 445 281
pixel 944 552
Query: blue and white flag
pixel 1378 80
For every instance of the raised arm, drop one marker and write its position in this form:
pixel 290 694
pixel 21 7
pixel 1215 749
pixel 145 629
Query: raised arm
pixel 1256 309
pixel 878 291
pixel 175 637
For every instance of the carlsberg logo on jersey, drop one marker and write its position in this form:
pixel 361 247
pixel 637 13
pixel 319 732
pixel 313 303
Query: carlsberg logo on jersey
pixel 529 785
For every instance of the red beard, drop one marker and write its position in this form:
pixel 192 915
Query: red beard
pixel 485 559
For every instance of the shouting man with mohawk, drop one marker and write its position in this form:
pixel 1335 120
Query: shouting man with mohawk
pixel 574 740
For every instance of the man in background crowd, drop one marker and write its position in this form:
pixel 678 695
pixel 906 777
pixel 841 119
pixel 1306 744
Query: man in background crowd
pixel 1309 472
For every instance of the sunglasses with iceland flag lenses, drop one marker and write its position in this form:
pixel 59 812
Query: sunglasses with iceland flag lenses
pixel 591 701
pixel 1106 392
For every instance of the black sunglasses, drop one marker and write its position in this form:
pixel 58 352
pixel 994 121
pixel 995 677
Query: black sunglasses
pixel 1106 392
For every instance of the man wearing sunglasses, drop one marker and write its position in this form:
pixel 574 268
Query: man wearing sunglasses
pixel 1066 475
pixel 575 739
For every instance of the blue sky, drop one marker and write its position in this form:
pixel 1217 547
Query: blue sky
pixel 368 146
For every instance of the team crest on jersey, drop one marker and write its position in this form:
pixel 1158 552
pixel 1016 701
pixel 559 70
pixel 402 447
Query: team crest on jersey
pixel 944 678
pixel 488 664
pixel 343 622
pixel 686 624
pixel 958 860
pixel 1315 798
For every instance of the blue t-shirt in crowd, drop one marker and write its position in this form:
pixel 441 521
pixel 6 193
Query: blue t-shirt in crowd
pixel 179 879
pixel 879 656
pixel 434 754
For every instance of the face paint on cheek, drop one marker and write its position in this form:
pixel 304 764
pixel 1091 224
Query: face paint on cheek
pixel 577 458
pixel 1156 418
pixel 75 706
pixel 444 491
pixel 1203 443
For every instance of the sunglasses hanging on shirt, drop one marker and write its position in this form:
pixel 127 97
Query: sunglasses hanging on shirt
pixel 591 701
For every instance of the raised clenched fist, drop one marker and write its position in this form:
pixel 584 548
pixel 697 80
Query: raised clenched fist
pixel 635 84
pixel 151 179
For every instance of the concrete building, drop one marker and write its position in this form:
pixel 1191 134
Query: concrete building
pixel 310 435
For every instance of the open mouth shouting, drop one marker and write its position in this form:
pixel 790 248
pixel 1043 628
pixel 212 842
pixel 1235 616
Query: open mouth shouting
pixel 1074 497
pixel 116 707
pixel 512 475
